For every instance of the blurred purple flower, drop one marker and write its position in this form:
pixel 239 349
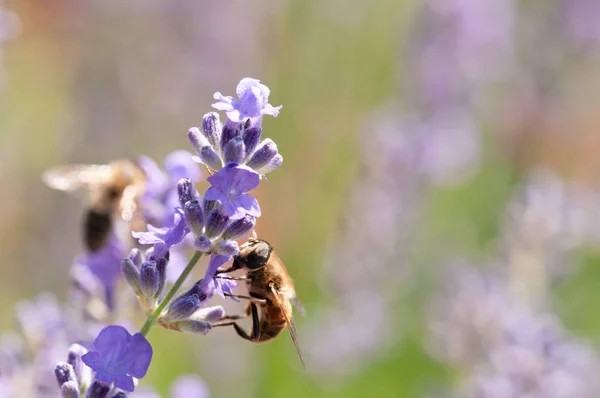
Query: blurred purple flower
pixel 160 196
pixel 117 357
pixel 105 264
pixel 253 102
pixel 189 386
pixel 229 186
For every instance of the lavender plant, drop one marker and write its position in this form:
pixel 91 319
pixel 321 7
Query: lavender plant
pixel 178 218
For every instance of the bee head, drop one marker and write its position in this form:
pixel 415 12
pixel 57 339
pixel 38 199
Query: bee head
pixel 255 254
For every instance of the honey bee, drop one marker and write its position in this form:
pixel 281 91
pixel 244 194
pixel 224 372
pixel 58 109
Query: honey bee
pixel 114 190
pixel 270 288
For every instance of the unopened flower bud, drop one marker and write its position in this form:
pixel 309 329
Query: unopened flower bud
pixel 212 128
pixel 186 191
pixel 132 275
pixel 182 308
pixel 83 374
pixel 251 138
pixel 136 257
pixel 98 389
pixel 226 247
pixel 263 154
pixel 161 269
pixel 210 158
pixel 240 227
pixel 194 216
pixel 64 373
pixel 203 244
pixel 216 223
pixel 209 314
pixel 230 130
pixel 149 280
pixel 234 150
pixel 197 139
pixel 69 389
pixel 210 205
pixel 196 327
pixel 271 165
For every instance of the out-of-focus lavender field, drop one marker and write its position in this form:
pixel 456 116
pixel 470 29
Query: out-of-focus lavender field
pixel 438 206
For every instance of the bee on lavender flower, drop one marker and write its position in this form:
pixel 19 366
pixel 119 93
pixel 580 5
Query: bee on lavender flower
pixel 114 190
pixel 271 289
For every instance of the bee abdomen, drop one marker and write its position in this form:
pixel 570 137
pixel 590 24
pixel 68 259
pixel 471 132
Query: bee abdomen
pixel 96 227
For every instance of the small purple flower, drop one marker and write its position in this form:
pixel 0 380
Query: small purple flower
pixel 221 286
pixel 253 102
pixel 229 186
pixel 117 357
pixel 164 238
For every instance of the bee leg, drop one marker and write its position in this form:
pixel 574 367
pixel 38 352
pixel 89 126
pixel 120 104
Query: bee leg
pixel 234 278
pixel 241 332
pixel 255 334
pixel 253 300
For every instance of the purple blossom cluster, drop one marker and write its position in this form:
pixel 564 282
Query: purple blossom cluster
pixel 505 347
pixel 179 221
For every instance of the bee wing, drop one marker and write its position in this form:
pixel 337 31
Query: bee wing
pixel 298 305
pixel 71 177
pixel 290 323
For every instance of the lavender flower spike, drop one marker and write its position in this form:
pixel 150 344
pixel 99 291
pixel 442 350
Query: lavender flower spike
pixel 253 102
pixel 229 186
pixel 118 357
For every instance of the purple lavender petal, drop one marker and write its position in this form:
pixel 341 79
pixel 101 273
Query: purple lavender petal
pixel 250 205
pixel 124 382
pixel 252 103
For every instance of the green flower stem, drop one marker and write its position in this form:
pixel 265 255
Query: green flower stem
pixel 163 304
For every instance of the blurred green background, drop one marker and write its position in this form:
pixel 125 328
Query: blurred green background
pixel 93 81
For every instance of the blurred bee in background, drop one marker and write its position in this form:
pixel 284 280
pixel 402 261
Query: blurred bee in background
pixel 270 288
pixel 114 190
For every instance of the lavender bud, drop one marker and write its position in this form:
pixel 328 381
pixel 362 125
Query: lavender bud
pixel 196 327
pixel 161 269
pixel 263 154
pixel 149 282
pixel 272 165
pixel 186 191
pixel 98 389
pixel 182 308
pixel 240 227
pixel 64 373
pixel 82 373
pixel 230 130
pixel 216 223
pixel 203 244
pixel 194 216
pixel 234 150
pixel 251 138
pixel 69 389
pixel 209 314
pixel 136 257
pixel 212 128
pixel 197 139
pixel 227 247
pixel 210 158
pixel 131 274
pixel 210 205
